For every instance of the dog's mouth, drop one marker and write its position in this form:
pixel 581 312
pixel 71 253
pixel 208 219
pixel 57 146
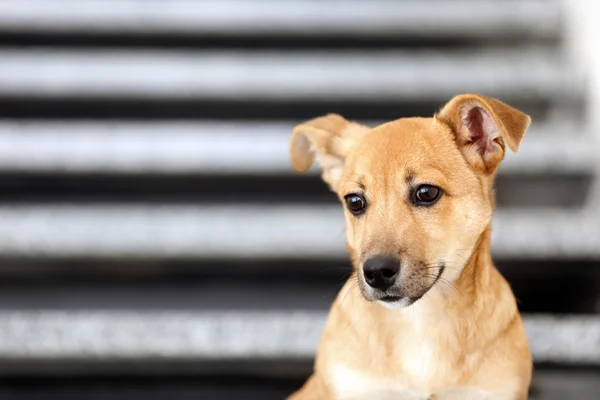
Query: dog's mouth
pixel 404 301
pixel 390 299
pixel 441 268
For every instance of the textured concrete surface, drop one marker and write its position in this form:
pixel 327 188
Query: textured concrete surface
pixel 526 17
pixel 547 385
pixel 236 75
pixel 221 148
pixel 57 335
pixel 254 231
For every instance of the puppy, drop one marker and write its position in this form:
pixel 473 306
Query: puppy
pixel 425 314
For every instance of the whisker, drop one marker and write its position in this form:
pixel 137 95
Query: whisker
pixel 462 271
pixel 352 284
pixel 347 276
pixel 448 283
pixel 486 218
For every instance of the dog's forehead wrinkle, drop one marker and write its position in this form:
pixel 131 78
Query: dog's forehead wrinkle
pixel 409 175
pixel 357 179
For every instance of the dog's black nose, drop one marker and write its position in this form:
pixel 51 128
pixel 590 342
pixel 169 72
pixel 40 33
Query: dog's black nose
pixel 381 271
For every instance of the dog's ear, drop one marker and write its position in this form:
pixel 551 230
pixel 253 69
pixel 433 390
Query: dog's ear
pixel 484 127
pixel 329 138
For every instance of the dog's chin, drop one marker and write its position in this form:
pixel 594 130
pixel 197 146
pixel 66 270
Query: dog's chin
pixel 389 300
pixel 395 302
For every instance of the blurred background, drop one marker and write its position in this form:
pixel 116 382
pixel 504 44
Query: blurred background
pixel 154 242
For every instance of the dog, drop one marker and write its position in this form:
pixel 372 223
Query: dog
pixel 425 313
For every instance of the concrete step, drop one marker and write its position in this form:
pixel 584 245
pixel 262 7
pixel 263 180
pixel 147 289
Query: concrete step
pixel 221 148
pixel 565 288
pixel 251 231
pixel 163 337
pixel 548 384
pixel 374 75
pixel 533 18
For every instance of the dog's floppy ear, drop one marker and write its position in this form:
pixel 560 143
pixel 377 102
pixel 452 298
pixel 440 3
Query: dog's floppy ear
pixel 329 139
pixel 483 127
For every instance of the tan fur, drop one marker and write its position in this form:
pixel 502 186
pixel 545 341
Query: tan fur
pixel 464 339
pixel 330 138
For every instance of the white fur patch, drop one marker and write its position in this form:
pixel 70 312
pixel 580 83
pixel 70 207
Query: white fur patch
pixel 474 394
pixel 423 362
pixel 351 385
pixel 394 305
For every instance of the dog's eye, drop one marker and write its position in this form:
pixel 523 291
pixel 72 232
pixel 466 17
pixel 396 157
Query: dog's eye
pixel 427 195
pixel 355 203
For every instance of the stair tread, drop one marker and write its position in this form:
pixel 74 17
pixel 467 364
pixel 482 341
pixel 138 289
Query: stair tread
pixel 535 18
pixel 375 75
pixel 217 148
pixel 254 231
pixel 155 336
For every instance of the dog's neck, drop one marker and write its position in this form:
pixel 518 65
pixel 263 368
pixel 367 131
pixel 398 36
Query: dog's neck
pixel 475 277
pixel 477 295
pixel 475 288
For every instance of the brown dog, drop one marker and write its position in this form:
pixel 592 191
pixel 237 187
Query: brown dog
pixel 425 315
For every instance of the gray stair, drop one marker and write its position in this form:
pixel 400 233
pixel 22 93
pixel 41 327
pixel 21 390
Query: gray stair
pixel 221 148
pixel 62 336
pixel 254 232
pixel 538 18
pixel 276 75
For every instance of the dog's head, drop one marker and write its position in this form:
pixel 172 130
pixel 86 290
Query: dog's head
pixel 417 192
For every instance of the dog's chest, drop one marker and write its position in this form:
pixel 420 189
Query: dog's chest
pixel 349 384
pixel 420 368
pixel 352 385
pixel 421 362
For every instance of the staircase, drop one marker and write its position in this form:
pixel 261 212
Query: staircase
pixel 154 241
